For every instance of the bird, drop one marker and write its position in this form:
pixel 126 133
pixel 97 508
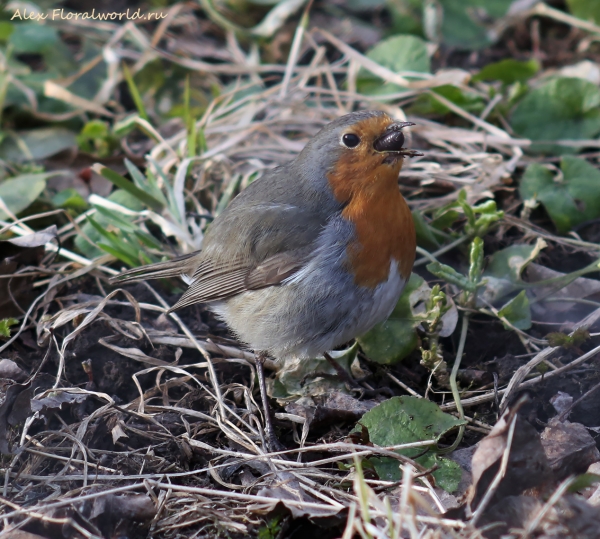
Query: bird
pixel 313 253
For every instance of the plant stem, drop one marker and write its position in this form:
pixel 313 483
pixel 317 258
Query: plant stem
pixel 454 384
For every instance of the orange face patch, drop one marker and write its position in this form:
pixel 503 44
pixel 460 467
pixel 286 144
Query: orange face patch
pixel 369 189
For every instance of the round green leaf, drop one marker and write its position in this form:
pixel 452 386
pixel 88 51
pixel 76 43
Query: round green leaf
pixel 397 53
pixel 427 104
pixel 572 200
pixel 36 144
pixel 464 22
pixel 564 108
pixel 391 341
pixel 517 311
pixel 33 37
pixel 509 71
pixel 18 193
pixel 402 420
pixel 503 273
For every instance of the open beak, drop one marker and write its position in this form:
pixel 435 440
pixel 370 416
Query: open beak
pixel 392 141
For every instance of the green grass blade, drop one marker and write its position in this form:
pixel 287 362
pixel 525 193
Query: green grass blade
pixel 126 185
pixel 135 94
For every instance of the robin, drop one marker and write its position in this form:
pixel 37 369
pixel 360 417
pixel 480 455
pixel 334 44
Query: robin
pixel 311 254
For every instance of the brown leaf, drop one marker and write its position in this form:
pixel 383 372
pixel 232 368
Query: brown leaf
pixel 527 463
pixel 285 488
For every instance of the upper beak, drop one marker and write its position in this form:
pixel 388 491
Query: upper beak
pixel 393 140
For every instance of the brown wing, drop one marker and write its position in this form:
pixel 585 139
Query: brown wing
pixel 213 283
pixel 276 269
pixel 182 265
pixel 252 245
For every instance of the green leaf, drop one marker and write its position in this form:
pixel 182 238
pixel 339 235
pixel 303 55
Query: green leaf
pixel 126 185
pixel 402 420
pixel 271 528
pixel 36 144
pixel 564 108
pixel 18 193
pixel 583 481
pixel 5 324
pixel 588 10
pixel 426 237
pixel 476 260
pixel 447 476
pixel 406 16
pixel 70 199
pixel 465 23
pixel 450 275
pixel 503 272
pixel 33 38
pixel 96 138
pixel 6 30
pixel 509 71
pixel 517 311
pixel 391 341
pixel 397 53
pixel 444 218
pixel 570 200
pixel 427 104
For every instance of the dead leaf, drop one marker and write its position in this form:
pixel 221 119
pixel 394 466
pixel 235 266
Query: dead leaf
pixel 334 408
pixel 36 239
pixel 118 432
pixel 285 487
pixel 527 463
pixel 13 396
pixel 580 288
pixel 9 369
pixel 55 400
pixel 569 518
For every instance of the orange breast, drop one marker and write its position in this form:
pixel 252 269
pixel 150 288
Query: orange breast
pixel 383 222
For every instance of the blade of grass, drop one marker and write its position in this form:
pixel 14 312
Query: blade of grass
pixel 135 94
pixel 189 120
pixel 126 185
pixel 127 253
pixel 145 183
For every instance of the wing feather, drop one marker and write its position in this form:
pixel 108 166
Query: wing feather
pixel 254 247
pixel 213 287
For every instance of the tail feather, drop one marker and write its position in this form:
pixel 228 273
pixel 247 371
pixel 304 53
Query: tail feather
pixel 170 268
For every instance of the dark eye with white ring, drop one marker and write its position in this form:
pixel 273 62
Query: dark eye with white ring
pixel 350 140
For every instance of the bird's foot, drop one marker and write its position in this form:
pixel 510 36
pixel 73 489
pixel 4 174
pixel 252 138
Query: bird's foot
pixel 273 443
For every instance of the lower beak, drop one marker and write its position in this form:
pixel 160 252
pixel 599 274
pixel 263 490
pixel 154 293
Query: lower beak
pixel 392 141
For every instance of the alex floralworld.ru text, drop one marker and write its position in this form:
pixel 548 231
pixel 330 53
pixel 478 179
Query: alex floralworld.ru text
pixel 61 14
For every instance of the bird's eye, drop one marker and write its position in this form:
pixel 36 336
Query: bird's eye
pixel 350 140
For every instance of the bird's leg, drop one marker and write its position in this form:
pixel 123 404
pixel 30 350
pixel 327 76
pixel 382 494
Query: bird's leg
pixel 351 383
pixel 272 441
pixel 341 372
